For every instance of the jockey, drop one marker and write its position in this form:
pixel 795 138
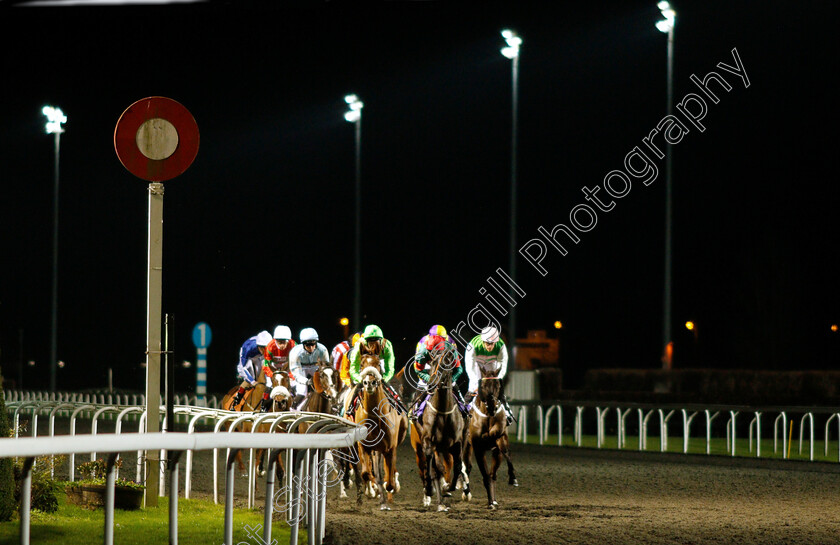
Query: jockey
pixel 487 357
pixel 372 342
pixel 277 354
pixel 304 360
pixel 437 340
pixel 340 359
pixel 252 358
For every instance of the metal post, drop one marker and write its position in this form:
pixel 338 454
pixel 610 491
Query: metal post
pixel 357 297
pixel 175 456
pixel 153 322
pixel 54 317
pixel 269 494
pixel 109 498
pixel 229 497
pixel 25 500
pixel 513 149
pixel 666 328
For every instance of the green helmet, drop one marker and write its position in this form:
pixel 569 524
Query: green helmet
pixel 372 331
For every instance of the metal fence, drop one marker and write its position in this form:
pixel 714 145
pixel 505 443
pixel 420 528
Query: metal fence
pixel 306 455
pixel 648 415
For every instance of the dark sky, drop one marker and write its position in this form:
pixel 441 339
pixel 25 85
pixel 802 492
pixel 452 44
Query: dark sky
pixel 259 230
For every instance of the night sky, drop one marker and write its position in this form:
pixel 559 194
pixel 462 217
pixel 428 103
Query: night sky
pixel 259 230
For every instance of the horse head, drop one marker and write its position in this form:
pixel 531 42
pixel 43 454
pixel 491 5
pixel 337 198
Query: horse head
pixel 371 379
pixel 281 399
pixel 325 382
pixel 369 360
pixel 489 390
pixel 440 372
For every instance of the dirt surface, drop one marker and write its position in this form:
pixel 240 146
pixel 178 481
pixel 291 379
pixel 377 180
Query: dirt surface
pixel 569 495
pixel 573 496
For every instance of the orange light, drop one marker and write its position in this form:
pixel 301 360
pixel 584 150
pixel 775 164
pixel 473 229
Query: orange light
pixel 558 325
pixel 834 327
pixel 689 326
pixel 344 321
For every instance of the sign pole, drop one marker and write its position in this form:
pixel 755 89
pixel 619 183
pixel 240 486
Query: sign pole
pixel 156 139
pixel 201 339
pixel 153 351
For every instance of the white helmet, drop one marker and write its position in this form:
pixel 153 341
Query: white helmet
pixel 263 338
pixel 490 334
pixel 308 334
pixel 282 332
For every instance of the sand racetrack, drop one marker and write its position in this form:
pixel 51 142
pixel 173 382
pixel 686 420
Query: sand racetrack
pixel 569 495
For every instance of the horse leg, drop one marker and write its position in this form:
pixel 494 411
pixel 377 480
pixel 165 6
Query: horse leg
pixel 497 461
pixel 481 462
pixel 504 447
pixel 466 493
pixel 239 462
pixel 421 470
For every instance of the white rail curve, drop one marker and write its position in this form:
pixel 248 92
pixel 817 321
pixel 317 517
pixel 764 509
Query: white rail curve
pixel 306 452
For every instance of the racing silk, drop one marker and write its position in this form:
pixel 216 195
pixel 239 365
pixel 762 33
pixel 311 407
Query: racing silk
pixel 246 368
pixel 279 359
pixel 482 363
pixel 386 360
pixel 423 357
pixel 338 357
pixel 302 364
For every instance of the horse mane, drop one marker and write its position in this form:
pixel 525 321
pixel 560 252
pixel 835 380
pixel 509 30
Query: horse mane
pixel 316 382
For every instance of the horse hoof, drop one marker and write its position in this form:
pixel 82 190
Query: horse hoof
pixel 384 507
pixel 343 494
pixel 262 473
pixel 466 496
pixel 514 482
pixel 492 507
pixel 427 501
pixel 495 503
pixel 396 481
pixel 442 509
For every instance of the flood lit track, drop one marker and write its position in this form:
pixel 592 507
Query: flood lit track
pixel 569 495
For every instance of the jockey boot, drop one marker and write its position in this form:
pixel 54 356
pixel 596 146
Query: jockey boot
pixel 461 403
pixel 266 403
pixel 394 399
pixel 508 410
pixel 237 398
pixel 354 397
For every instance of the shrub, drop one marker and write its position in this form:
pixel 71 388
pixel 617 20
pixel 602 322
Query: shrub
pixel 7 482
pixel 44 488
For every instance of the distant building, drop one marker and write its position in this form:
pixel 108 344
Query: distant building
pixel 537 351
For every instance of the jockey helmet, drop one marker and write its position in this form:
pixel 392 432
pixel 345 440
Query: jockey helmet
pixel 438 330
pixel 435 342
pixel 372 331
pixel 308 334
pixel 282 333
pixel 490 334
pixel 263 338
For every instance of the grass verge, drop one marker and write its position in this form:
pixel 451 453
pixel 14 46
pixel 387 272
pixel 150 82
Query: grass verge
pixel 199 521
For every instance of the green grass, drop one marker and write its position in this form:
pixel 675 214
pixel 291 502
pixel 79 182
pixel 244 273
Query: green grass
pixel 200 522
pixel 697 445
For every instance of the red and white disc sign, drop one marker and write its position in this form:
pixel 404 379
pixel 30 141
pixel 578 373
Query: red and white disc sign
pixel 156 139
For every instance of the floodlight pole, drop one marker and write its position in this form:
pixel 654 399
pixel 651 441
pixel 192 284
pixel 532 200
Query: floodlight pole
pixel 54 304
pixel 354 115
pixel 667 25
pixel 512 52
pixel 55 117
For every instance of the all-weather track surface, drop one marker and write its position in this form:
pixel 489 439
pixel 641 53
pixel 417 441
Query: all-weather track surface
pixel 583 496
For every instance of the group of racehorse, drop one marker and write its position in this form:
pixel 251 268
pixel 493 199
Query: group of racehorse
pixel 443 440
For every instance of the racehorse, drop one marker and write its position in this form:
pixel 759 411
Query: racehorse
pixel 488 433
pixel 324 392
pixel 387 429
pixel 251 401
pixel 439 437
